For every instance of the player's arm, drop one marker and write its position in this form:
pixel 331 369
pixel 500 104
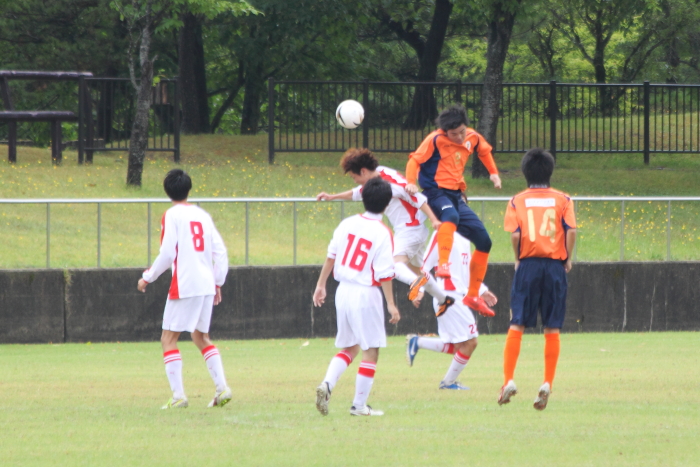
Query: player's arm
pixel 220 258
pixel 323 196
pixel 412 169
pixel 570 243
pixel 515 242
pixel 320 292
pixel 389 297
pixel 166 256
pixel 485 153
pixel 431 215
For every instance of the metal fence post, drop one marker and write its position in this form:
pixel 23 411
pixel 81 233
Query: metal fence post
pixel 247 217
pixel 99 231
pixel 622 231
pixel 646 122
pixel 295 234
pixel 575 253
pixel 48 235
pixel 81 119
pixel 668 232
pixel 553 110
pixel 271 121
pixel 459 91
pixel 176 136
pixel 149 234
pixel 365 104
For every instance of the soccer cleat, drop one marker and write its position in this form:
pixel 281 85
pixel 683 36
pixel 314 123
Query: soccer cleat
pixel 542 397
pixel 176 404
pixel 443 270
pixel 323 396
pixel 449 301
pixel 411 348
pixel 415 286
pixel 479 305
pixel 221 398
pixel 507 391
pixel 456 385
pixel 366 411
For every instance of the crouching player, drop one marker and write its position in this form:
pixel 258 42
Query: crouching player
pixel 193 247
pixel 543 232
pixel 457 329
pixel 360 256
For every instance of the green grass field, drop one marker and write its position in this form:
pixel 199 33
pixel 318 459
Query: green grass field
pixel 619 399
pixel 236 166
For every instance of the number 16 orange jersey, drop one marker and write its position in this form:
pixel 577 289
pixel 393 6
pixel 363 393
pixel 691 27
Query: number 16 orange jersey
pixel 542 215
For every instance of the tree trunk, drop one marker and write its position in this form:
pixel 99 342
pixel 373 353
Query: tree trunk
pixel 254 87
pixel 499 35
pixel 424 106
pixel 193 80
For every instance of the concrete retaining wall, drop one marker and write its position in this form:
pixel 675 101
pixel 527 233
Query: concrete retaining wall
pixel 275 302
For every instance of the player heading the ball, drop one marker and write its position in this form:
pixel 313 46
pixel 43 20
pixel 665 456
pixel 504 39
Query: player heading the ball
pixel 438 164
pixel 543 234
pixel 360 257
pixel 189 243
pixel 406 213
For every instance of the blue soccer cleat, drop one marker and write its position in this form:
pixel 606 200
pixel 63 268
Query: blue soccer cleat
pixel 411 348
pixel 456 386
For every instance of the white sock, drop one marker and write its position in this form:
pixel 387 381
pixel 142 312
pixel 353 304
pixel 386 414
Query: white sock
pixel 459 361
pixel 173 369
pixel 363 384
pixel 215 366
pixel 434 289
pixel 338 365
pixel 435 344
pixel 404 274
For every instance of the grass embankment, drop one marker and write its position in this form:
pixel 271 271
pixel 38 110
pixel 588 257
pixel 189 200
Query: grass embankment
pixel 619 399
pixel 236 166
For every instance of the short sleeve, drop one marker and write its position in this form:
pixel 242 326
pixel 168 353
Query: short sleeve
pixel 333 245
pixel 383 264
pixel 357 193
pixel 510 222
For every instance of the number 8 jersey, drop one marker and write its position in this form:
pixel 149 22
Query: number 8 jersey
pixel 192 245
pixel 362 247
pixel 542 216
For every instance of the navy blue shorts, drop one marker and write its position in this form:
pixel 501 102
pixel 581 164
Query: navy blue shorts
pixel 449 206
pixel 539 284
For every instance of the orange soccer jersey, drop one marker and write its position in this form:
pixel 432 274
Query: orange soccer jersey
pixel 442 162
pixel 542 215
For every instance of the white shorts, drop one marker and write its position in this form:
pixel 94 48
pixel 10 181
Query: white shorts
pixel 360 313
pixel 457 324
pixel 188 314
pixel 410 241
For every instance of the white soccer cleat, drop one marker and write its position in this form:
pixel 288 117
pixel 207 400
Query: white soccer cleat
pixel 542 397
pixel 176 404
pixel 323 396
pixel 221 398
pixel 366 411
pixel 507 391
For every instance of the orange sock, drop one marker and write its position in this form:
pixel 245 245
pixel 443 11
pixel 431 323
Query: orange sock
pixel 477 271
pixel 445 237
pixel 551 356
pixel 511 353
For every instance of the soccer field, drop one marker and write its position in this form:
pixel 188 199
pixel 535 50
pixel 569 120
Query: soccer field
pixel 618 399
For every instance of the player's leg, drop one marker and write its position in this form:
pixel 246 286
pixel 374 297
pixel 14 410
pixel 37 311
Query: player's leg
pixel 446 209
pixel 173 369
pixel 415 342
pixel 463 352
pixel 364 382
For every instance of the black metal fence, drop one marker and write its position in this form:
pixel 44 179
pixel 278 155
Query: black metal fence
pixel 565 118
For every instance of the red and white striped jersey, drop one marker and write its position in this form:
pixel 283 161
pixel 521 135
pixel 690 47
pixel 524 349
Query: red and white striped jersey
pixel 362 247
pixel 192 245
pixel 460 256
pixel 404 209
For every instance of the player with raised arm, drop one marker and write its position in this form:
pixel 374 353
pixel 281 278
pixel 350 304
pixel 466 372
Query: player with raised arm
pixel 360 257
pixel 543 233
pixel 438 165
pixel 405 212
pixel 457 329
pixel 193 247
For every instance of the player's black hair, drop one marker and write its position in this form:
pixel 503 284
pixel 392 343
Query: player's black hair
pixel 537 166
pixel 177 185
pixel 356 159
pixel 376 195
pixel 452 117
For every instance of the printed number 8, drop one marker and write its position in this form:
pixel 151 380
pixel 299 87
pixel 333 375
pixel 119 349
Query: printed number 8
pixel 548 227
pixel 197 235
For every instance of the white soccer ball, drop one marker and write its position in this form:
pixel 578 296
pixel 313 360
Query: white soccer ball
pixel 350 114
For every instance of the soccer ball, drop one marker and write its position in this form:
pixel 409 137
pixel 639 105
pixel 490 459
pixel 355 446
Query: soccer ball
pixel 350 114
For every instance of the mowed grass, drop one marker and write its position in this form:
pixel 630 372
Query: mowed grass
pixel 236 166
pixel 619 399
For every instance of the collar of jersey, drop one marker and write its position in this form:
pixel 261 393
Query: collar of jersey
pixel 373 216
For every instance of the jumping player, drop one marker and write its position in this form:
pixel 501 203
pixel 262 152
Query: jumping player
pixel 405 212
pixel 363 246
pixel 438 165
pixel 457 329
pixel 543 233
pixel 194 248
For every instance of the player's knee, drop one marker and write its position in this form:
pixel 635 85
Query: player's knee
pixel 450 215
pixel 482 242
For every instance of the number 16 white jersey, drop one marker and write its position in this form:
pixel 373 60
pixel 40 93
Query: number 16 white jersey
pixel 362 247
pixel 192 245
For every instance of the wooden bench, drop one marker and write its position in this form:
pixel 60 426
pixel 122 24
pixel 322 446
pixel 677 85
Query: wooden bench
pixel 54 117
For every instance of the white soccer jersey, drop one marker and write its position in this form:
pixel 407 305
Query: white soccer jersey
pixel 362 248
pixel 192 245
pixel 404 209
pixel 460 256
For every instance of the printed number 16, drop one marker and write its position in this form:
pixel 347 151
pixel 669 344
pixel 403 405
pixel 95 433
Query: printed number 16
pixel 359 256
